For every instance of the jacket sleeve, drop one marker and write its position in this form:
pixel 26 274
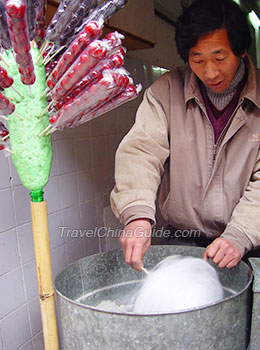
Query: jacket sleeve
pixel 139 162
pixel 243 228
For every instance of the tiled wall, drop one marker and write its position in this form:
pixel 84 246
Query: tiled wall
pixel 77 197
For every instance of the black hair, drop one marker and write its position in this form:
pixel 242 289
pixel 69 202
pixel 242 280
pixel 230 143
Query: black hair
pixel 205 16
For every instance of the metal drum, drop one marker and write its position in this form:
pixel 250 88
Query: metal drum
pixel 83 285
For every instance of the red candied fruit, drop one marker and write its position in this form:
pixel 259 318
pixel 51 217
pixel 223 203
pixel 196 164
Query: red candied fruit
pixel 92 29
pixel 53 119
pixel 14 10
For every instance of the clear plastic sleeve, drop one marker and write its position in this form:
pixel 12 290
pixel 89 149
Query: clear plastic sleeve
pixel 3 131
pixel 116 60
pixel 5 80
pixel 94 53
pixel 16 17
pixel 67 15
pixel 6 107
pixel 92 31
pixel 82 12
pixel 5 41
pixel 105 11
pixel 40 12
pixel 112 83
pixel 31 6
pixel 130 93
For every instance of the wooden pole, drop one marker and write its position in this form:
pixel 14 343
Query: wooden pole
pixel 44 274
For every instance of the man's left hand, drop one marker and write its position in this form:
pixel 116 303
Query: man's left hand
pixel 223 253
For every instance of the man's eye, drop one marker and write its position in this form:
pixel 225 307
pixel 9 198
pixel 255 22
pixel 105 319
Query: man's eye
pixel 220 59
pixel 198 62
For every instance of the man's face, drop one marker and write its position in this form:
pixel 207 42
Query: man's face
pixel 213 60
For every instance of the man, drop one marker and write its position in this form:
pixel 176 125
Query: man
pixel 199 127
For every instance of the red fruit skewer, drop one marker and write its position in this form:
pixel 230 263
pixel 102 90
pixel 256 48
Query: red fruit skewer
pixel 16 17
pixel 92 31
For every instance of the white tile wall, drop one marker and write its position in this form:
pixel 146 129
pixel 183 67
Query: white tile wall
pixel 77 192
pixel 16 329
pixel 7 212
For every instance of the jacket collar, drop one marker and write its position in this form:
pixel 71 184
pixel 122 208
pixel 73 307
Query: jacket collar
pixel 251 90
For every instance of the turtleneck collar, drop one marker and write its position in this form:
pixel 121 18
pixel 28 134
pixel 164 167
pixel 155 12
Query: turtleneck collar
pixel 221 99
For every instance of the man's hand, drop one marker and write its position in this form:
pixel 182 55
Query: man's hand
pixel 223 253
pixel 135 240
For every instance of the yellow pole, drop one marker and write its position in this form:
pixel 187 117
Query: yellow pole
pixel 44 274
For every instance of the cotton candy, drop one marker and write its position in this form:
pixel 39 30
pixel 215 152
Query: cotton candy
pixel 178 283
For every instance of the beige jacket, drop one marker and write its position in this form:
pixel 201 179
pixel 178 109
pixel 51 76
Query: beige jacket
pixel 207 187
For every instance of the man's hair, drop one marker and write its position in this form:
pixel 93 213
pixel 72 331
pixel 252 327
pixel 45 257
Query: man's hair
pixel 205 16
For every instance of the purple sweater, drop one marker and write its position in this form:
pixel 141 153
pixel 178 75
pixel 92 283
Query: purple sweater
pixel 218 118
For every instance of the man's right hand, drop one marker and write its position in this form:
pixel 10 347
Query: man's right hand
pixel 135 240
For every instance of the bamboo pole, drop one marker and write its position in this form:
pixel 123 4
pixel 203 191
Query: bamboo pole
pixel 44 274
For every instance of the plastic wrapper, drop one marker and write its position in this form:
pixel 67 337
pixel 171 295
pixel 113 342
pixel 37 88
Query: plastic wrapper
pixel 40 12
pixel 2 146
pixel 116 60
pixel 5 41
pixel 130 93
pixel 77 18
pixel 5 80
pixel 6 107
pixel 105 11
pixel 92 31
pixel 31 6
pixel 112 83
pixel 96 51
pixel 69 12
pixel 16 17
pixel 3 130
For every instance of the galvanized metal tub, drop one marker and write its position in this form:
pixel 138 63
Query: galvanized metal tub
pixel 81 286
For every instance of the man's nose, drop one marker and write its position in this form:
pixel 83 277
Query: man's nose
pixel 211 71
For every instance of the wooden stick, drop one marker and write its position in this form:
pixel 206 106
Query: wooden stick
pixel 30 90
pixel 44 274
pixel 46 109
pixel 5 137
pixel 145 271
pixel 44 46
pixel 51 131
pixel 8 150
pixel 18 116
pixel 3 117
pixel 44 93
pixel 1 58
pixel 43 131
pixel 55 54
pixel 32 43
pixel 18 93
pixel 48 55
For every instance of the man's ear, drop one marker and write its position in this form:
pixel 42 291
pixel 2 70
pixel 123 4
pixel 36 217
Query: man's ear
pixel 244 54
